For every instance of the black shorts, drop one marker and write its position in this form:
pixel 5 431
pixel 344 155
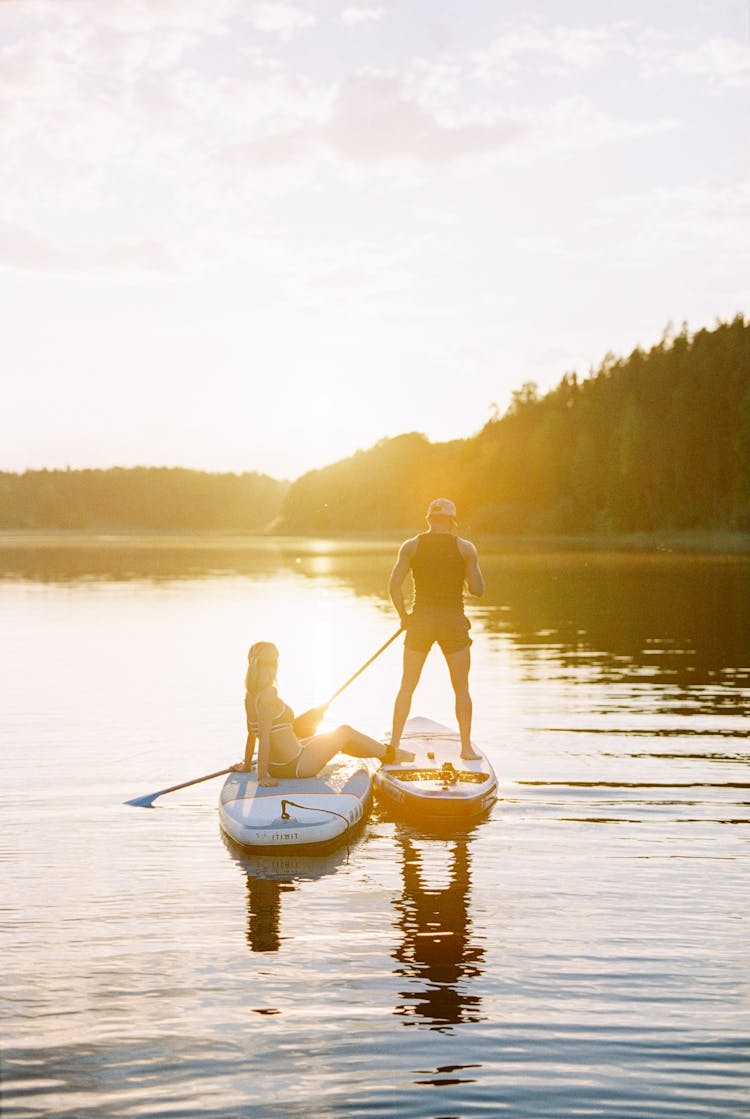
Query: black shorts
pixel 449 627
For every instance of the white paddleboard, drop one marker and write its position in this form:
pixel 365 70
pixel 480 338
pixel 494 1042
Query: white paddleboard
pixel 303 813
pixel 438 786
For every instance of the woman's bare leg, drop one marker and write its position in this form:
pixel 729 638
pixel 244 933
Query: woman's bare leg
pixel 319 750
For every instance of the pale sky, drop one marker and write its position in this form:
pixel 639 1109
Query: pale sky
pixel 262 236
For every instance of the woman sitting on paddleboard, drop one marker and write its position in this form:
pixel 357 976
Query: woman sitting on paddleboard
pixel 270 722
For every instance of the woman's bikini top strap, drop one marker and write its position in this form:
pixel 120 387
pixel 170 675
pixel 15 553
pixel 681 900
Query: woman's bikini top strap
pixel 282 720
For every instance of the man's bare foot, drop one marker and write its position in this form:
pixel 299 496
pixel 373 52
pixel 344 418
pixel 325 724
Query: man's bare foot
pixel 471 755
pixel 394 755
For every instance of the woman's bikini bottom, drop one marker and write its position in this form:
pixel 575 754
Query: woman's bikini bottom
pixel 284 769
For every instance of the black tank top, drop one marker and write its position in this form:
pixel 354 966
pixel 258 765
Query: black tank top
pixel 439 571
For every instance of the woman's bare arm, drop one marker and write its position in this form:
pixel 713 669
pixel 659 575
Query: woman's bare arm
pixel 265 705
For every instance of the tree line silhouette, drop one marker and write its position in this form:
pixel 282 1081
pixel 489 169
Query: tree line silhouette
pixel 657 441
pixel 140 498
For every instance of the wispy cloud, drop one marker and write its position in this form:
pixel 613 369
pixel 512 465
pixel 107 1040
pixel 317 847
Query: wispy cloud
pixel 559 49
pixel 153 125
pixel 724 61
pixel 361 15
pixel 375 120
pixel 281 19
pixel 708 218
pixel 569 51
pixel 26 250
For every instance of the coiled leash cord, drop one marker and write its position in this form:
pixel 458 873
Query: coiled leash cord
pixel 309 808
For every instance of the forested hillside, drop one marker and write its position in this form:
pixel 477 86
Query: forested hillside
pixel 142 498
pixel 659 440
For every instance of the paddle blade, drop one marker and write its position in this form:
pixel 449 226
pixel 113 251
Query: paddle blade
pixel 148 800
pixel 306 724
pixel 143 802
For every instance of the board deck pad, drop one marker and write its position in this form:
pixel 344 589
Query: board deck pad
pixel 438 783
pixel 299 813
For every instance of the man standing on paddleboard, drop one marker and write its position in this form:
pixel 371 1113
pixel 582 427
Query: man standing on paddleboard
pixel 441 564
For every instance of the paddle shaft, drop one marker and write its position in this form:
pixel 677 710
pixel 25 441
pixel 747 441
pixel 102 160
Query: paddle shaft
pixel 367 664
pixel 306 724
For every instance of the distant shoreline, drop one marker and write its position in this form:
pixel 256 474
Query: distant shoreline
pixel 698 542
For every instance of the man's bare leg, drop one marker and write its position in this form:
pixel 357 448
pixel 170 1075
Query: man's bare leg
pixel 412 670
pixel 458 666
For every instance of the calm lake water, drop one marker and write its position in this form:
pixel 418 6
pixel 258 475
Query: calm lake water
pixel 583 952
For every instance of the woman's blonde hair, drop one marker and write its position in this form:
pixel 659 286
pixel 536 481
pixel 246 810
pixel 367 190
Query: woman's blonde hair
pixel 262 664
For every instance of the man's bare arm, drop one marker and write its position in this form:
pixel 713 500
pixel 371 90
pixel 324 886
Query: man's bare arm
pixel 474 577
pixel 398 575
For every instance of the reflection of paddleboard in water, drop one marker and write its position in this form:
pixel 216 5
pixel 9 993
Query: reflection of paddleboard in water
pixel 287 865
pixel 438 785
pixel 306 813
pixel 269 874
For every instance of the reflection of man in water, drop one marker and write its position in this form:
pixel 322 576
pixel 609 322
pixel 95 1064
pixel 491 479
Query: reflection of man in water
pixel 436 948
